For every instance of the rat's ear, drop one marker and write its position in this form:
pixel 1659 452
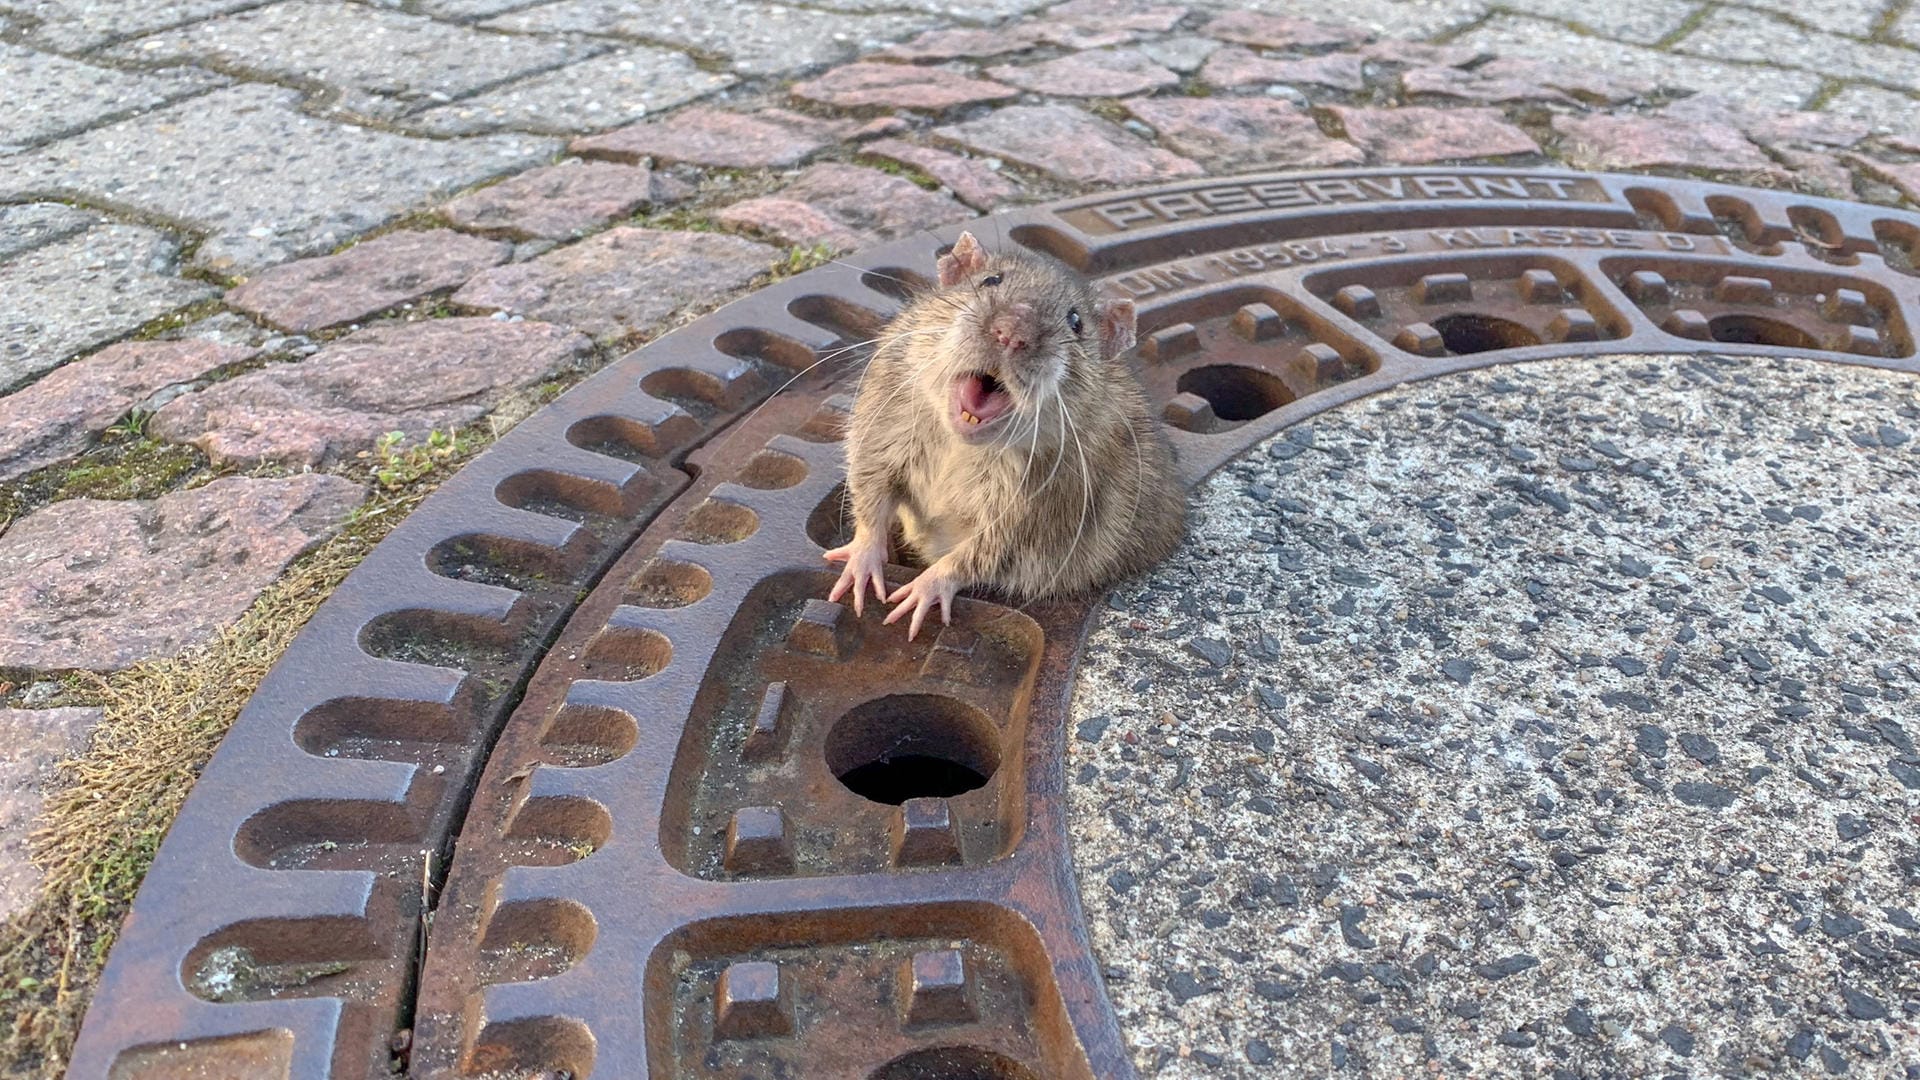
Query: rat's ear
pixel 965 260
pixel 1117 327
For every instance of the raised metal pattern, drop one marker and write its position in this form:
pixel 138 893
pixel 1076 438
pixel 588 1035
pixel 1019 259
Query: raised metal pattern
pixel 697 849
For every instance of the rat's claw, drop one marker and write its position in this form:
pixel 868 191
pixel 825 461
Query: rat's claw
pixel 866 564
pixel 919 596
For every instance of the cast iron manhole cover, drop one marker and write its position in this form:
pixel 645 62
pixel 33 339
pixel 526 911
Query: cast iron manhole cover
pixel 678 815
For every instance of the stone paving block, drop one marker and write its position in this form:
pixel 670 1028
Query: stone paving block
pixel 1644 22
pixel 557 201
pixel 623 281
pixel 1388 18
pixel 57 417
pixel 1069 144
pixel 1905 177
pixel 1240 134
pixel 43 96
pixel 1800 127
pixel 1282 32
pixel 1476 86
pixel 972 182
pixel 984 10
pixel 1856 18
pixel 365 279
pixel 1908 28
pixel 1646 142
pixel 791 222
pixel 26 226
pixel 99 585
pixel 757 39
pixel 1183 54
pixel 1884 110
pixel 472 9
pixel 590 95
pixel 898 86
pixel 416 377
pixel 1416 135
pixel 1097 73
pixel 1235 67
pixel 356 48
pixel 81 292
pixel 1736 34
pixel 33 742
pixel 855 207
pixel 956 43
pixel 1537 39
pixel 1422 54
pixel 1094 24
pixel 75 25
pixel 702 135
pixel 267 182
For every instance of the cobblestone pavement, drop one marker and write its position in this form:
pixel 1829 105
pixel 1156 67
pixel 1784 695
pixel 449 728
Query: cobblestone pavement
pixel 241 240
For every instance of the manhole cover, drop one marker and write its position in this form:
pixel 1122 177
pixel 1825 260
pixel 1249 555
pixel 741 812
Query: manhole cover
pixel 679 816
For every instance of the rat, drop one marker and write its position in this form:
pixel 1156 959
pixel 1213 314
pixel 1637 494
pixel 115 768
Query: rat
pixel 1000 425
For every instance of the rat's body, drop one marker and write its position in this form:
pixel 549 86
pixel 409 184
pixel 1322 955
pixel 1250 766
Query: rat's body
pixel 999 425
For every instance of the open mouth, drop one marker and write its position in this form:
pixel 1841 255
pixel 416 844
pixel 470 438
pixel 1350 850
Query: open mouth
pixel 979 399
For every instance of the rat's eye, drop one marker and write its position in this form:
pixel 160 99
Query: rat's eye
pixel 990 280
pixel 1073 319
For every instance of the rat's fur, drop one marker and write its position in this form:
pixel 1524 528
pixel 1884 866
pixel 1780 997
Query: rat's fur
pixel 1073 490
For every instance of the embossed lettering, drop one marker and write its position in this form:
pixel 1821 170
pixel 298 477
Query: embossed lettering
pixel 1491 186
pixel 1434 187
pixel 1229 200
pixel 1335 190
pixel 1174 207
pixel 1124 215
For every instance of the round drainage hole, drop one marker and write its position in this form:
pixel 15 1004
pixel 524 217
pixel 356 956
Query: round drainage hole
pixel 1759 330
pixel 953 1063
pixel 1236 393
pixel 1465 334
pixel 913 746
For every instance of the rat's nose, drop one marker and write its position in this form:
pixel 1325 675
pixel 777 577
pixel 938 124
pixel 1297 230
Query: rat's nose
pixel 1013 327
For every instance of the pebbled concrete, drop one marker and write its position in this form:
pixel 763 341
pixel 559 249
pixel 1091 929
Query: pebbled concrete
pixel 1559 717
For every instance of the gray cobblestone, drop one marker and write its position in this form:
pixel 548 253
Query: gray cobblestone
pixel 983 10
pixel 1908 28
pixel 1855 17
pixel 32 225
pixel 1395 18
pixel 384 54
pixel 1884 109
pixel 592 95
pixel 1510 35
pixel 43 96
pixel 81 292
pixel 1734 34
pixel 267 182
pixel 1643 22
pixel 757 39
pixel 83 24
pixel 471 9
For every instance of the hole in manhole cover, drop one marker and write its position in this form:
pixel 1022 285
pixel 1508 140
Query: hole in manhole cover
pixel 913 746
pixel 686 818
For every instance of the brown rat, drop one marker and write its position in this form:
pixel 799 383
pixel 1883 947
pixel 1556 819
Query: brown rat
pixel 1001 426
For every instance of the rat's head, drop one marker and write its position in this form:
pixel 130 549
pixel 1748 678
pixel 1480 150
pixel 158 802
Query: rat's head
pixel 1026 331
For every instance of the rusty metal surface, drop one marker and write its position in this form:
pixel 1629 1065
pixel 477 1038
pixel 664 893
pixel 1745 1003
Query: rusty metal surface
pixel 702 823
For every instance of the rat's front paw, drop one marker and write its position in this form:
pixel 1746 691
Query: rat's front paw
pixel 866 565
pixel 934 585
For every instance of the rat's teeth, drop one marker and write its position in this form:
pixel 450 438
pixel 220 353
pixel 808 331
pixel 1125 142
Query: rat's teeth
pixel 969 417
